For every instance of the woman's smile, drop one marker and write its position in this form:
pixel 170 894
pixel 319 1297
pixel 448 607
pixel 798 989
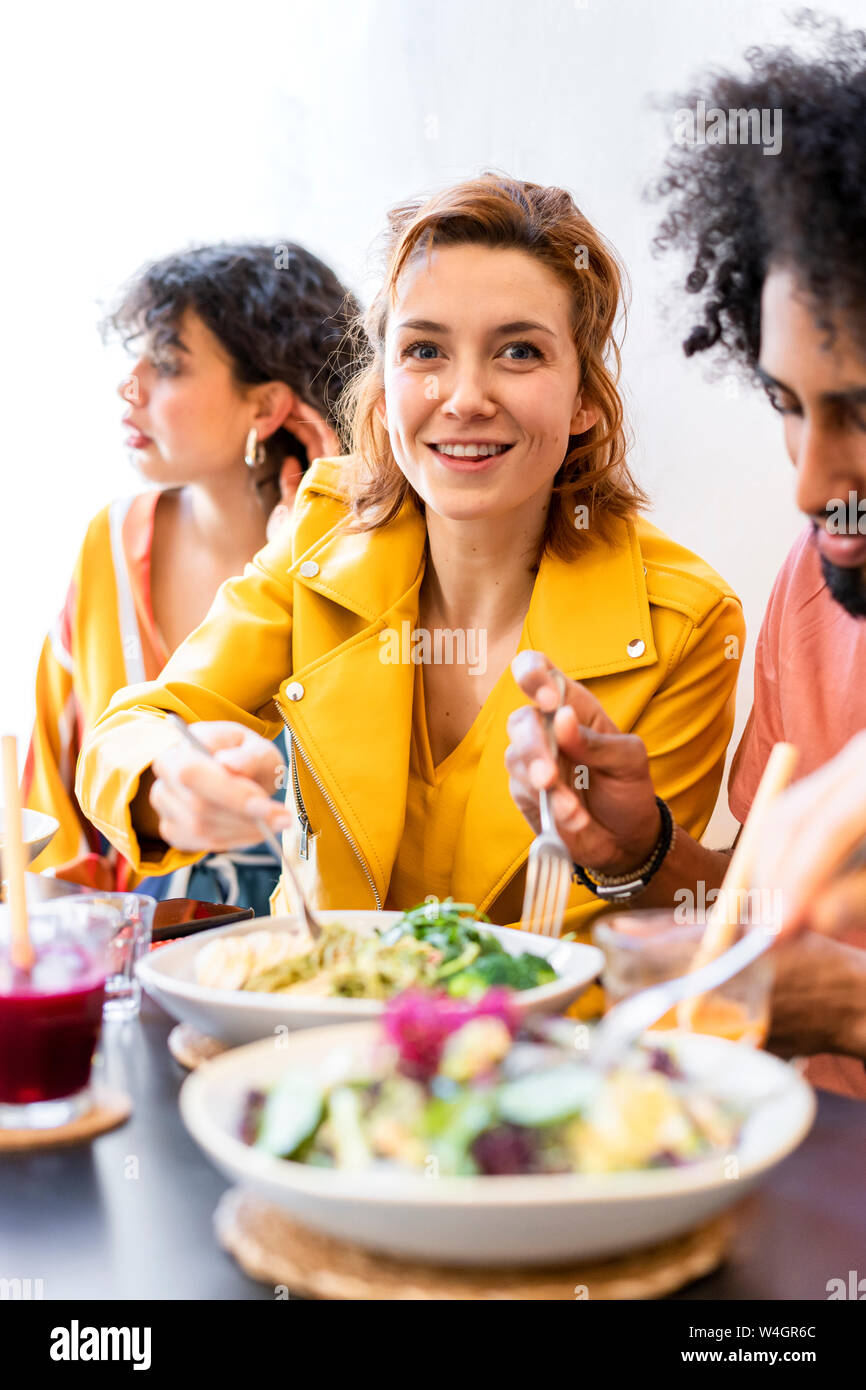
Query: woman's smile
pixel 468 456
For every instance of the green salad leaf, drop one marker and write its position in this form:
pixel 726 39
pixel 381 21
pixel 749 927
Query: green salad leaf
pixel 473 960
pixel 453 1124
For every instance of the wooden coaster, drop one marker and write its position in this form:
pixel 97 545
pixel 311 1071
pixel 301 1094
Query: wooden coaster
pixel 272 1247
pixel 110 1108
pixel 190 1047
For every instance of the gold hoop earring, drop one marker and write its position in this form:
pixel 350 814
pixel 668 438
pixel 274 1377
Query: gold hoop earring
pixel 254 452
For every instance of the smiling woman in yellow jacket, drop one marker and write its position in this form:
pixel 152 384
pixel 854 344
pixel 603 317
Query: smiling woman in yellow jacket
pixel 489 510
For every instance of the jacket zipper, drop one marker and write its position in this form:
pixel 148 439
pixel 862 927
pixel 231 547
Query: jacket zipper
pixel 299 800
pixel 302 810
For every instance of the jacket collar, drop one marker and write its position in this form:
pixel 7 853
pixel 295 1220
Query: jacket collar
pixel 589 615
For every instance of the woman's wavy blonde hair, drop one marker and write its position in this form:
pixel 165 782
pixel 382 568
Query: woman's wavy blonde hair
pixel 499 212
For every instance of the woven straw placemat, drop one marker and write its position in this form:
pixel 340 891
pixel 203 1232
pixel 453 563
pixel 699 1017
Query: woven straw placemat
pixel 190 1047
pixel 272 1247
pixel 110 1108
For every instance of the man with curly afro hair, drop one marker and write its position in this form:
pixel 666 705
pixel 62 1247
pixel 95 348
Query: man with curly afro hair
pixel 775 245
pixel 774 234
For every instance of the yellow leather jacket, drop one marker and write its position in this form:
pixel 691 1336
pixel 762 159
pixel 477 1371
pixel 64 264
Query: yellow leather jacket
pixel 653 632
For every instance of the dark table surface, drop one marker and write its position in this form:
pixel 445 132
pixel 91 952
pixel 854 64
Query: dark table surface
pixel 130 1215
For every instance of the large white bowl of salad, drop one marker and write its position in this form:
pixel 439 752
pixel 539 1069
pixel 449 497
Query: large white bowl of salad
pixel 245 981
pixel 456 1133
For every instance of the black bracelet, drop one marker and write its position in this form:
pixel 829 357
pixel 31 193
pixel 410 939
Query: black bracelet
pixel 630 885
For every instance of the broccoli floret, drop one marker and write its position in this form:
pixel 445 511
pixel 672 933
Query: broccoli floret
pixel 513 972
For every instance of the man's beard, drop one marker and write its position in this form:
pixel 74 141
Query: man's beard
pixel 847 587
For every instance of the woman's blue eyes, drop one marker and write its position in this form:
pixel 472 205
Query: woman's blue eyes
pixel 524 347
pixel 415 349
pixel 420 347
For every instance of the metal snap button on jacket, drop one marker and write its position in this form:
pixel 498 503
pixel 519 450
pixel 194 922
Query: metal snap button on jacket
pixel 636 647
pixel 309 569
pixel 295 691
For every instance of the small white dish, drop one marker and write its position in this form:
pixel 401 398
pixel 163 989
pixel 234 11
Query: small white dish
pixel 486 1221
pixel 240 1016
pixel 38 830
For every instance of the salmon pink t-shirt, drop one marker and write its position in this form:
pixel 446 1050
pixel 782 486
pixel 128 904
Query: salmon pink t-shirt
pixel 810 690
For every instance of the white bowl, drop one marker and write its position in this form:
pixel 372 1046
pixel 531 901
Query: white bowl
pixel 240 1016
pixel 38 831
pixel 487 1221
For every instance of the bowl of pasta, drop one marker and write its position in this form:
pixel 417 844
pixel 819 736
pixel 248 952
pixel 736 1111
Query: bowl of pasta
pixel 242 982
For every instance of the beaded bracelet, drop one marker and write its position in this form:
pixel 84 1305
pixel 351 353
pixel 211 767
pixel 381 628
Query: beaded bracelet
pixel 626 886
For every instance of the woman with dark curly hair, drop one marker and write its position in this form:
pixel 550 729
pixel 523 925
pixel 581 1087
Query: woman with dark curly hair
pixel 240 357
pixel 775 244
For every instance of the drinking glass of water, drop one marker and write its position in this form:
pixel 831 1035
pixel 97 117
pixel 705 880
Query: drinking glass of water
pixel 128 944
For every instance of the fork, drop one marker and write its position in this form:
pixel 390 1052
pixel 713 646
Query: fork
pixel 623 1023
pixel 549 867
pixel 311 922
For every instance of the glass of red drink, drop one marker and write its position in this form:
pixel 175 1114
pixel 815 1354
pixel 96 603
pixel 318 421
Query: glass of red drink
pixel 51 1015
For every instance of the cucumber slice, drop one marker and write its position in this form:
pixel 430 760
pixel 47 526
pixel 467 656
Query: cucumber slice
pixel 291 1113
pixel 548 1097
pixel 351 1149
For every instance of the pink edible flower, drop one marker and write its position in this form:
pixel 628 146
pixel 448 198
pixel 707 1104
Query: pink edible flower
pixel 420 1021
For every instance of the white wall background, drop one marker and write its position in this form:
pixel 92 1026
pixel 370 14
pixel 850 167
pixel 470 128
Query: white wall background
pixel 131 132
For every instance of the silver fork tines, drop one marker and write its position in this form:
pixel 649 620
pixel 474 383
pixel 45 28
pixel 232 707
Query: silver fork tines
pixel 302 908
pixel 549 867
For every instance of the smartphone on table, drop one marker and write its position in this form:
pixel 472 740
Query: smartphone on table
pixel 176 917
